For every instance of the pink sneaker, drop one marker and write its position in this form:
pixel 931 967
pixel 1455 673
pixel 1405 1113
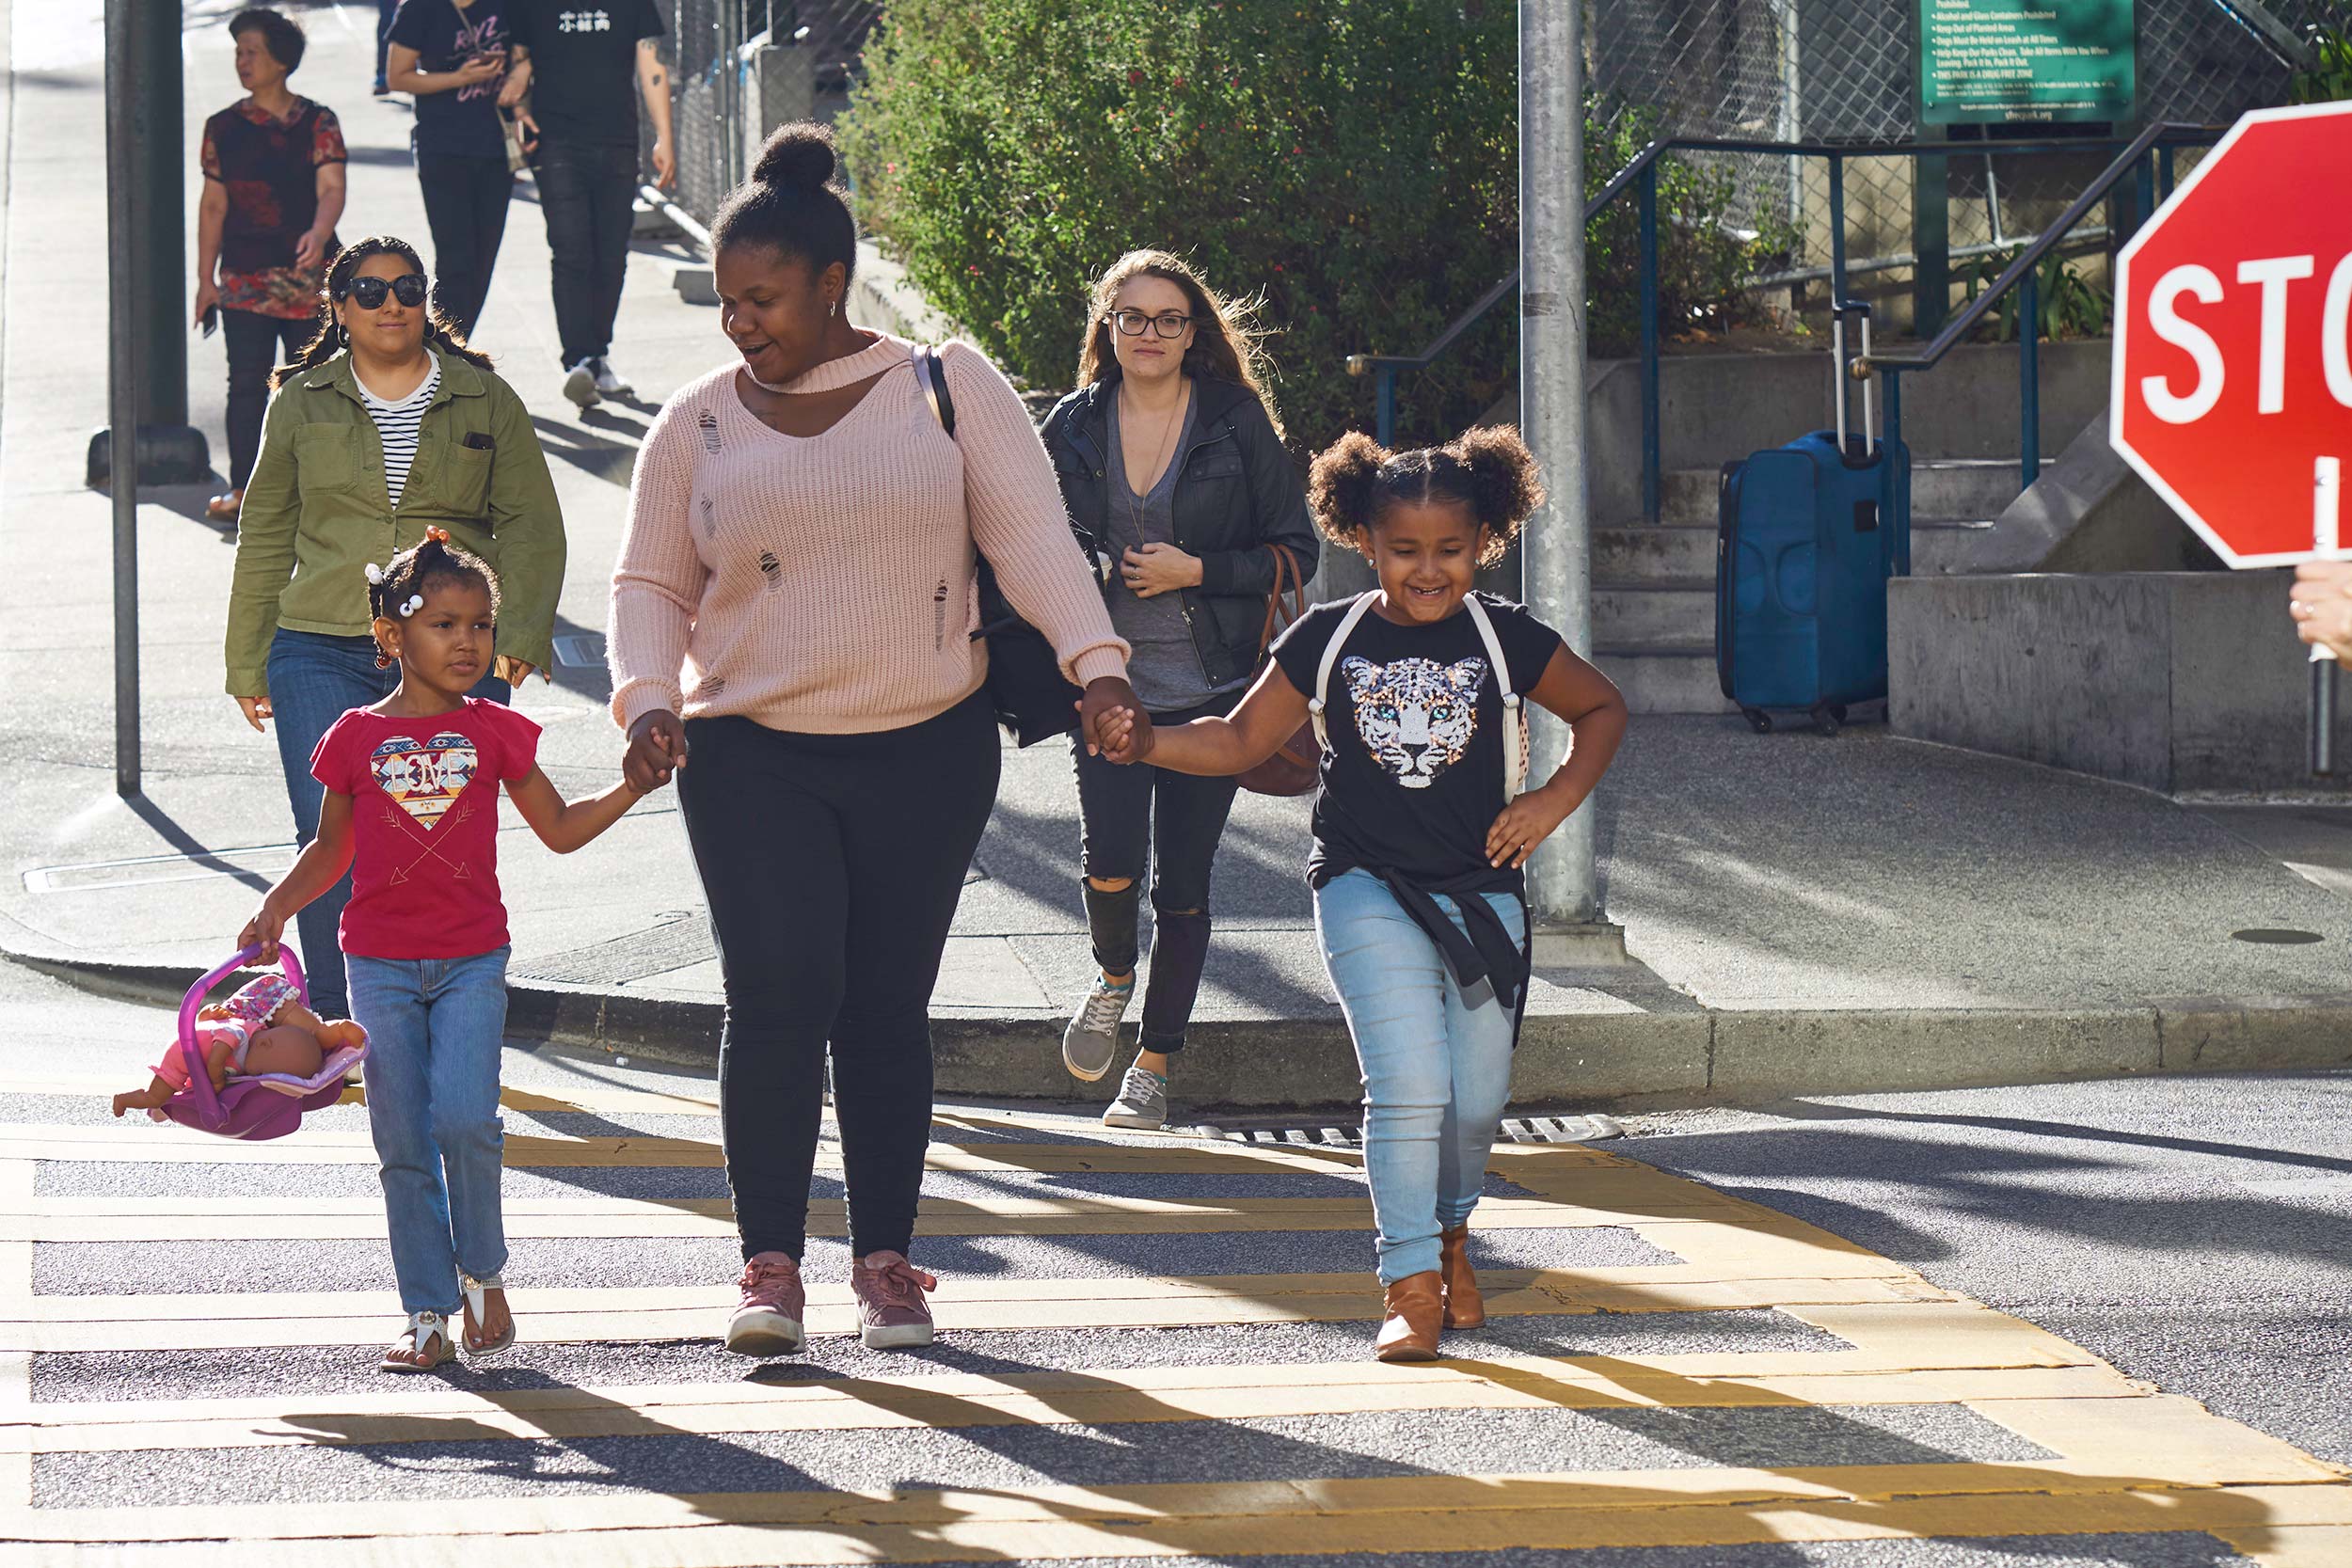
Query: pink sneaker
pixel 768 1322
pixel 891 1311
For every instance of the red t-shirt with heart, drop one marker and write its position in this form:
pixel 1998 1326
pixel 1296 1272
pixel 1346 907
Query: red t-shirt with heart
pixel 424 824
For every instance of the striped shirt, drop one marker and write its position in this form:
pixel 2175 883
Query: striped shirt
pixel 396 425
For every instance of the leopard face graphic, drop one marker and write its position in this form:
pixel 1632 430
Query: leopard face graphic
pixel 1416 717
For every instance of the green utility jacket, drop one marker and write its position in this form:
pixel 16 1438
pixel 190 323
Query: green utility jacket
pixel 316 513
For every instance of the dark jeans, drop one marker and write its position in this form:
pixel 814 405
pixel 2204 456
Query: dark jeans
pixel 384 12
pixel 588 192
pixel 831 865
pixel 1175 819
pixel 465 205
pixel 253 341
pixel 313 681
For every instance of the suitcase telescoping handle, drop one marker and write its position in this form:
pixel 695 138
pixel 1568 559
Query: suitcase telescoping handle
pixel 1840 373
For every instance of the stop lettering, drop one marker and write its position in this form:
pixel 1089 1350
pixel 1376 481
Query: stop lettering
pixel 2232 370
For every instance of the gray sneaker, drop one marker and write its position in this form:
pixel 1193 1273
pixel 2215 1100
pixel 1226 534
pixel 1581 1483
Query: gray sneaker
pixel 1142 1102
pixel 1090 1044
pixel 579 385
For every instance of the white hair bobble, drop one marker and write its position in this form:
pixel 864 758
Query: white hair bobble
pixel 375 575
pixel 416 602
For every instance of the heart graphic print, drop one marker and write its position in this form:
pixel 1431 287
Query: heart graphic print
pixel 425 780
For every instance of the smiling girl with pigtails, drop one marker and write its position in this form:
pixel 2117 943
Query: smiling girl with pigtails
pixel 410 809
pixel 1422 828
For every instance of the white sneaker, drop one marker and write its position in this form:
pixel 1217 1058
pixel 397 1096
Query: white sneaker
pixel 579 385
pixel 609 382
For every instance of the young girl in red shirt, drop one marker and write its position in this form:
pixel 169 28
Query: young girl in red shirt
pixel 411 810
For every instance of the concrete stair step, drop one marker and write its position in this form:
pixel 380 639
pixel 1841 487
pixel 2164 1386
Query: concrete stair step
pixel 1670 677
pixel 1943 487
pixel 1672 609
pixel 1670 556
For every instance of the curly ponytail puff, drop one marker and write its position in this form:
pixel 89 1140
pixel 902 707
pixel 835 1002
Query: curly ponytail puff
pixel 1342 487
pixel 1505 487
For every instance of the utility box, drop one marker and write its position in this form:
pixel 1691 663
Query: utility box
pixel 779 86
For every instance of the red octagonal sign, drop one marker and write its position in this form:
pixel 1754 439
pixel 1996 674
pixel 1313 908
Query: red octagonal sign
pixel 2233 391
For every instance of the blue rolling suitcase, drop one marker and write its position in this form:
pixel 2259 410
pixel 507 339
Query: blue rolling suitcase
pixel 1804 544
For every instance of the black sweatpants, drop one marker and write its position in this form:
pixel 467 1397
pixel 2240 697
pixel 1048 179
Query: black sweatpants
pixel 253 341
pixel 1134 812
pixel 465 205
pixel 832 865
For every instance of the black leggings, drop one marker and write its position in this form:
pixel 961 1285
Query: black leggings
pixel 1128 814
pixel 832 865
pixel 253 341
pixel 465 205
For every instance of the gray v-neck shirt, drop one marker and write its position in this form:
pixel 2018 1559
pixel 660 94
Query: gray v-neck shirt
pixel 1164 665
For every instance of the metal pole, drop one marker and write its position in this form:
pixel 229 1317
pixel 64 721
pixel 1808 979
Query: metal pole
pixel 2322 716
pixel 1384 417
pixel 2028 379
pixel 1653 460
pixel 123 413
pixel 1836 233
pixel 1557 559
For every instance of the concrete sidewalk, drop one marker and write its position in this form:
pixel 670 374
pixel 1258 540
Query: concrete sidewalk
pixel 1809 914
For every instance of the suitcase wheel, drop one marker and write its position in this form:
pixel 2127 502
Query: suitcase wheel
pixel 1829 717
pixel 1758 720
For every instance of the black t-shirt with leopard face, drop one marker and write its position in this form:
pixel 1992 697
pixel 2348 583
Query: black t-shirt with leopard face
pixel 1412 776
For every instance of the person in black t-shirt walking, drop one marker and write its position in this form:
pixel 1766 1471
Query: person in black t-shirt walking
pixel 452 55
pixel 1422 828
pixel 576 61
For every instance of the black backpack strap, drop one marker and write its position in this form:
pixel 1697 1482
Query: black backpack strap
pixel 932 376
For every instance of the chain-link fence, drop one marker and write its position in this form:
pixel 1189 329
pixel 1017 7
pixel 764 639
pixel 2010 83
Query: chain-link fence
pixel 1843 71
pixel 743 66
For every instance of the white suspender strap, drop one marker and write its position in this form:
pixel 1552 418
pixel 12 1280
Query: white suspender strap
pixel 1514 719
pixel 1330 659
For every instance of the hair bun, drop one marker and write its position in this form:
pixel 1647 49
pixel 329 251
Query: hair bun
pixel 1340 485
pixel 797 157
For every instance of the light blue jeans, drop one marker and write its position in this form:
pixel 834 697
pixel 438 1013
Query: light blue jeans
pixel 313 679
pixel 1437 1069
pixel 434 1030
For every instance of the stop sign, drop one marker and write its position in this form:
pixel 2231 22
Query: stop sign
pixel 2233 371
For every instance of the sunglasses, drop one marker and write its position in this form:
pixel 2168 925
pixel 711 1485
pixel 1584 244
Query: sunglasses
pixel 368 292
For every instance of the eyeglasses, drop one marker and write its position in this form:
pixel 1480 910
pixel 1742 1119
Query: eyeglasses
pixel 368 292
pixel 1167 323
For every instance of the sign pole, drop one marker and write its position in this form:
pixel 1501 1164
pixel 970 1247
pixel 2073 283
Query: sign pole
pixel 122 410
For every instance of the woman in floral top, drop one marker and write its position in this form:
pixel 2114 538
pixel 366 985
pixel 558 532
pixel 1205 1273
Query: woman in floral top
pixel 273 189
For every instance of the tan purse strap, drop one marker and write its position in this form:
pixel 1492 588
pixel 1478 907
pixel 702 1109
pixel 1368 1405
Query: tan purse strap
pixel 1286 578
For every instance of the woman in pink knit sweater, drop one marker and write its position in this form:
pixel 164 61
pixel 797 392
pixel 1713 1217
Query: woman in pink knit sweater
pixel 791 612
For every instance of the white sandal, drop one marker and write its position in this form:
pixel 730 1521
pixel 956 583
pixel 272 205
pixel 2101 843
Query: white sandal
pixel 423 1329
pixel 475 1289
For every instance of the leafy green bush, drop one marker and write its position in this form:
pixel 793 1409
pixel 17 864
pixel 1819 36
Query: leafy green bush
pixel 1355 161
pixel 2329 77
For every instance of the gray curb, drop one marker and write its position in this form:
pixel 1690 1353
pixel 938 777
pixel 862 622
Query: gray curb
pixel 1621 1061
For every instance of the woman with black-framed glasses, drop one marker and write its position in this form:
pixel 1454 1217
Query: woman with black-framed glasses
pixel 1172 465
pixel 385 424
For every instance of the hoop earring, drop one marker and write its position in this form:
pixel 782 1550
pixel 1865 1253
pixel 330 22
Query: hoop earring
pixel 383 659
pixel 832 309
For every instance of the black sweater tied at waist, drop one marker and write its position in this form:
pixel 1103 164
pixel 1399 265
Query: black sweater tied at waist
pixel 1488 954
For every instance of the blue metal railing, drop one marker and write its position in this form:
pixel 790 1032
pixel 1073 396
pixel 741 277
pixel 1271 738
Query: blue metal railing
pixel 2147 158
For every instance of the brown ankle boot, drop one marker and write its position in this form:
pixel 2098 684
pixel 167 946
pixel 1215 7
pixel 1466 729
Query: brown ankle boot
pixel 1415 1307
pixel 1464 1307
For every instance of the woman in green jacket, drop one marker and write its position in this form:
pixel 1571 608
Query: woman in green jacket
pixel 384 425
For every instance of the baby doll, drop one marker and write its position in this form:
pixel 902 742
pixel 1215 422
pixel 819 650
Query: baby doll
pixel 263 1028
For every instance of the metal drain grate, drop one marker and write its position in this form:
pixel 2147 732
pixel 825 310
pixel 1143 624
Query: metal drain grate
pixel 1518 1130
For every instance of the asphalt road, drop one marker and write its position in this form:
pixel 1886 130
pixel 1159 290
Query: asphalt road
pixel 2197 1233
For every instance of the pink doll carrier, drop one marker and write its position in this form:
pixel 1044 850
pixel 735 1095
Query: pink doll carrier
pixel 263 1105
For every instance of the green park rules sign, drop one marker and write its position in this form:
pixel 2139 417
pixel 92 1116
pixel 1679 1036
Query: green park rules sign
pixel 2023 62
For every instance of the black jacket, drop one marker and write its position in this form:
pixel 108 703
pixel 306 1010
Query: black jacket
pixel 1237 490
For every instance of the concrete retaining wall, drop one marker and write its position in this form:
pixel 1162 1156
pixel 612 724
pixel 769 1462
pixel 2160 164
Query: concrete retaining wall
pixel 2174 681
